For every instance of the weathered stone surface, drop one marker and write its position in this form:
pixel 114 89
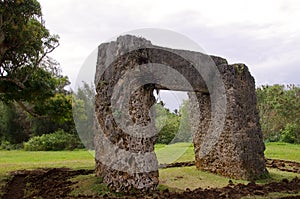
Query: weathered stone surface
pixel 224 119
pixel 239 152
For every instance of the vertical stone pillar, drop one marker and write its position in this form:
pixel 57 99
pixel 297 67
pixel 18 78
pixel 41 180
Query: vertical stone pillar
pixel 239 151
pixel 125 134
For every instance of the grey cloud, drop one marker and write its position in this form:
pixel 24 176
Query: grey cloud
pixel 86 25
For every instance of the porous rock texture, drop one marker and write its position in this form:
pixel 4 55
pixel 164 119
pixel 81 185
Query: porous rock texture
pixel 224 119
pixel 239 151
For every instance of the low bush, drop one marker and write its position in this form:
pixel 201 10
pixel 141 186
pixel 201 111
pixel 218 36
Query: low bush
pixel 291 134
pixel 6 145
pixel 56 141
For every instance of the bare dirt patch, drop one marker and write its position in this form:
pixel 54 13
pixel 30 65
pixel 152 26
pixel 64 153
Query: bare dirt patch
pixel 56 183
pixel 45 183
pixel 283 165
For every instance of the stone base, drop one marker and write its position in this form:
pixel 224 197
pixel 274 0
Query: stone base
pixel 124 182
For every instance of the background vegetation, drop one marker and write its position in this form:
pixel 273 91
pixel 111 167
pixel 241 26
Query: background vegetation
pixel 36 106
pixel 279 108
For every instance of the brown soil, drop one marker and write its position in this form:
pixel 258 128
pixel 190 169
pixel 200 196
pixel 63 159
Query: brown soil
pixel 55 183
pixel 177 164
pixel 284 165
pixel 45 183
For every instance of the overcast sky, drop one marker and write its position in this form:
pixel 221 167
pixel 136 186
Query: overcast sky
pixel 263 34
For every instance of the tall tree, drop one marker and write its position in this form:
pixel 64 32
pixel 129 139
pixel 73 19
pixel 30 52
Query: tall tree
pixel 14 124
pixel 185 133
pixel 83 113
pixel 167 124
pixel 279 112
pixel 268 98
pixel 25 43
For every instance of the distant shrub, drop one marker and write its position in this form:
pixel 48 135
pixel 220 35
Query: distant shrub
pixel 272 137
pixel 56 141
pixel 6 145
pixel 290 134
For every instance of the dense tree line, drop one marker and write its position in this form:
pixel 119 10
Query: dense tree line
pixel 34 103
pixel 279 108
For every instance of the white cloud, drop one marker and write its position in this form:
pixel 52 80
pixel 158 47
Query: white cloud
pixel 262 34
pixel 281 68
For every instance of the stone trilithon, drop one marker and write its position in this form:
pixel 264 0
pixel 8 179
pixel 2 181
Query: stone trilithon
pixel 125 129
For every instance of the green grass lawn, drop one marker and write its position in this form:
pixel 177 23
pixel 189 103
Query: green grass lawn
pixel 19 159
pixel 177 178
pixel 191 177
pixel 274 150
pixel 179 152
pixel 283 151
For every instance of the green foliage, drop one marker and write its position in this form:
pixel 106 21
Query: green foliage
pixel 279 112
pixel 13 124
pixel 32 90
pixel 185 132
pixel 56 141
pixel 4 118
pixel 24 38
pixel 167 123
pixel 290 134
pixel 83 113
pixel 239 68
pixel 38 86
pixel 6 145
pixel 55 111
pixel 173 127
pixel 24 45
pixel 52 112
pixel 58 108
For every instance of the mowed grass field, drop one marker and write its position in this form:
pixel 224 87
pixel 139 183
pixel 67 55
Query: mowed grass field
pixel 177 178
pixel 283 151
pixel 19 159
